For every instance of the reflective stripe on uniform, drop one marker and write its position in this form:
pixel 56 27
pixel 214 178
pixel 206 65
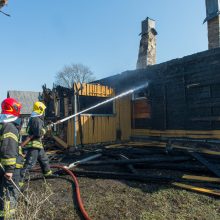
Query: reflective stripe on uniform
pixel 19 166
pixel 43 131
pixel 7 212
pixel 20 150
pixel 10 135
pixel 48 173
pixel 35 144
pixel 2 213
pixel 8 161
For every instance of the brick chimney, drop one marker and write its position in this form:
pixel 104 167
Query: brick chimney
pixel 213 22
pixel 147 49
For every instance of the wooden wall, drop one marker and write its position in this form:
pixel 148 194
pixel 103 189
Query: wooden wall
pixel 100 129
pixel 96 129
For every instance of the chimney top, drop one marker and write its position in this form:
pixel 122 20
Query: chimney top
pixel 212 9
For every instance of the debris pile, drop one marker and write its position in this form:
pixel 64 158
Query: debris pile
pixel 180 165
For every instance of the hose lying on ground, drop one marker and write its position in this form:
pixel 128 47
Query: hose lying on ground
pixel 79 200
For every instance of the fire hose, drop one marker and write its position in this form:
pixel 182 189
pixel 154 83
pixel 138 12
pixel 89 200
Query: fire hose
pixel 79 200
pixel 74 178
pixel 67 171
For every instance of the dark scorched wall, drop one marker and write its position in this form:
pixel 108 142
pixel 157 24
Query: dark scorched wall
pixel 184 93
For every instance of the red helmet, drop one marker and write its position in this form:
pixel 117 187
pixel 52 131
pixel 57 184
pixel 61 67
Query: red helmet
pixel 11 106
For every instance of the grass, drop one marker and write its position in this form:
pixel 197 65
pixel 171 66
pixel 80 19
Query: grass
pixel 131 200
pixel 40 206
pixel 181 205
pixel 111 200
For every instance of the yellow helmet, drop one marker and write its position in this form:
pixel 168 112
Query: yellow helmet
pixel 39 108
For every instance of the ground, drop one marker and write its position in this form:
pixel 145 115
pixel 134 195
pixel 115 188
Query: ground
pixel 125 200
pixel 108 199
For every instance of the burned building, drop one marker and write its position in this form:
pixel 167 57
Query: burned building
pixel 182 99
pixel 107 123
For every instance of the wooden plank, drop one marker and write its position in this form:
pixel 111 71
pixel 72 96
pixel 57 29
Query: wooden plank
pixel 83 131
pixel 212 134
pixel 117 107
pixel 102 91
pixel 174 146
pixel 90 130
pixel 93 90
pixel 201 178
pixel 108 129
pixel 103 128
pixel 60 142
pixel 114 128
pixel 122 114
pixel 197 189
pixel 112 125
pixel 95 93
pixel 205 162
pixel 95 129
pixel 100 129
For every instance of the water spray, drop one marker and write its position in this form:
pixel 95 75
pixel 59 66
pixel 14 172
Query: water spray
pixel 102 103
pixel 5 13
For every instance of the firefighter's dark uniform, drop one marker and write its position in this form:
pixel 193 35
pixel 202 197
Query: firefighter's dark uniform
pixel 35 149
pixel 9 155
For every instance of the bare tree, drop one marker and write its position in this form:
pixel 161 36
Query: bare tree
pixel 74 73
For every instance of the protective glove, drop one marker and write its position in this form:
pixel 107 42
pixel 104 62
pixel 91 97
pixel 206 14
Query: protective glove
pixel 20 151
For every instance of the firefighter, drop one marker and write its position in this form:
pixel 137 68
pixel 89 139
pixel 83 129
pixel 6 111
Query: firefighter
pixel 9 151
pixel 34 148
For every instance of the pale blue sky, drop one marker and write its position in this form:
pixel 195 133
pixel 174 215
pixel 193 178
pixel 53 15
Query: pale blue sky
pixel 42 36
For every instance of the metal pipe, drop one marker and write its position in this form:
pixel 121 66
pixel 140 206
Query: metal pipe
pixel 75 121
